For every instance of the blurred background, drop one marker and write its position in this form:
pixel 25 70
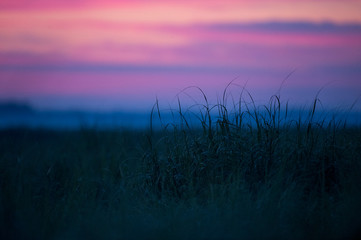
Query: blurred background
pixel 106 62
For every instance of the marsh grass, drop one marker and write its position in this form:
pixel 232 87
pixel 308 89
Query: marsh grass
pixel 242 171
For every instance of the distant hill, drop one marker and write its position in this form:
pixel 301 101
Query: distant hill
pixel 15 108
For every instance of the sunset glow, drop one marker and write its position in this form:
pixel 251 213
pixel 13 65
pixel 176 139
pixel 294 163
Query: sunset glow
pixel 72 54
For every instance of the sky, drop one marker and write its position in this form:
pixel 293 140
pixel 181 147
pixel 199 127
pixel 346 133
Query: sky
pixel 123 55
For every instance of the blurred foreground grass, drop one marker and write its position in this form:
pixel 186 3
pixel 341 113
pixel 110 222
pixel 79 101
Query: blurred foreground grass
pixel 247 175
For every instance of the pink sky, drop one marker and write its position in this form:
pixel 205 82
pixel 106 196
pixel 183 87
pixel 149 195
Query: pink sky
pixel 80 54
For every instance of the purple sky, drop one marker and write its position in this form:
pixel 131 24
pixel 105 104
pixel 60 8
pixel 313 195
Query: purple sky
pixel 104 55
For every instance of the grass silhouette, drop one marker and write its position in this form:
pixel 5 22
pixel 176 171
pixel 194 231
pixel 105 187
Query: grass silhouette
pixel 242 171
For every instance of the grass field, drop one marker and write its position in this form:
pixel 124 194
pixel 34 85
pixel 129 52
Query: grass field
pixel 250 173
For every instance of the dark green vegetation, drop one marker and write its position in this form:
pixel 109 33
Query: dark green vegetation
pixel 249 174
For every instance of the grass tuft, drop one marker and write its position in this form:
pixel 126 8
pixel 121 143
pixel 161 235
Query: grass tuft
pixel 240 171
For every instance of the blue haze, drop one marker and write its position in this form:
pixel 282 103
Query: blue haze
pixel 14 115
